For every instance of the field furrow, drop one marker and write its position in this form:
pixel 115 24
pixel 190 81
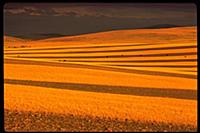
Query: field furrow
pixel 144 80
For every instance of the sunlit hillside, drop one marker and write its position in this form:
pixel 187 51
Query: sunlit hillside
pixel 14 42
pixel 126 80
pixel 163 35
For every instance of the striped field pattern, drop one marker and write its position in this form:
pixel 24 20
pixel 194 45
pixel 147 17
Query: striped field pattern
pixel 169 58
pixel 143 80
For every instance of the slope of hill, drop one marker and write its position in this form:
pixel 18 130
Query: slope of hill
pixel 162 26
pixel 145 79
pixel 161 35
pixel 15 42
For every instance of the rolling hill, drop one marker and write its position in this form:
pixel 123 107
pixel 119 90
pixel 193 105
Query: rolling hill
pixel 161 35
pixel 127 80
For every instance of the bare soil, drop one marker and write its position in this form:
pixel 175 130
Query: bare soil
pixel 40 121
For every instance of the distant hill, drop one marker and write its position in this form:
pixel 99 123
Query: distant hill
pixel 39 36
pixel 162 26
pixel 131 35
pixel 13 39
pixel 13 42
pixel 43 36
pixel 158 35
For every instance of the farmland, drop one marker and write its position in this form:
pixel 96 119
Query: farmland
pixel 131 80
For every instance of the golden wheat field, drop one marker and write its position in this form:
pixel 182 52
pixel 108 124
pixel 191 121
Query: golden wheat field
pixel 131 80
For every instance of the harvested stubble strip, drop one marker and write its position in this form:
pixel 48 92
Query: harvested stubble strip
pixel 41 121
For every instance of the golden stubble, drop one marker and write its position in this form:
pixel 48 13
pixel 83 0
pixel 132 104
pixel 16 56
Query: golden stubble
pixel 168 110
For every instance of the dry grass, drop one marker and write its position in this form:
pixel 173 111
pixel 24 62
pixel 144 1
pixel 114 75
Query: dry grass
pixel 165 35
pixel 45 121
pixel 100 104
pixel 94 76
pixel 35 76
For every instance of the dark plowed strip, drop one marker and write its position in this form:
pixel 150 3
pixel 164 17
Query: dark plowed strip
pixel 83 47
pixel 127 61
pixel 113 56
pixel 188 70
pixel 16 121
pixel 106 51
pixel 146 72
pixel 139 91
pixel 173 66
